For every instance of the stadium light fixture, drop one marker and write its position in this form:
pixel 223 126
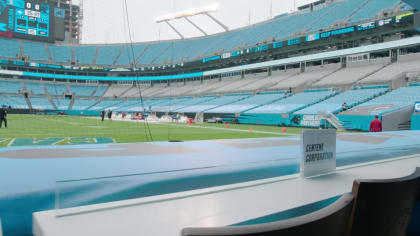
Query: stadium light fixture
pixel 187 13
pixel 205 10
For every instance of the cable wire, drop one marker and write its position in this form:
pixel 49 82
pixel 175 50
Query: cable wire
pixel 146 123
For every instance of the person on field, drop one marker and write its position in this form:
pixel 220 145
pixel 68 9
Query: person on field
pixel 376 125
pixel 3 116
pixel 102 115
pixel 109 114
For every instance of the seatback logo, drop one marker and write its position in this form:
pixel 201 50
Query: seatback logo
pixel 417 107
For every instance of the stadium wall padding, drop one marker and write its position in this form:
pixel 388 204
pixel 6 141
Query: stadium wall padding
pixel 356 122
pixel 415 121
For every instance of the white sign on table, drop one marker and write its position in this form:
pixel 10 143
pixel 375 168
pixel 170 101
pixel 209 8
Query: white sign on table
pixel 318 152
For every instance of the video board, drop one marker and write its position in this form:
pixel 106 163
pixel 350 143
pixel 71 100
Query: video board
pixel 27 19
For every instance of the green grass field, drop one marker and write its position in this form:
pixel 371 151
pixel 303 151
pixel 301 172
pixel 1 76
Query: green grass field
pixel 39 127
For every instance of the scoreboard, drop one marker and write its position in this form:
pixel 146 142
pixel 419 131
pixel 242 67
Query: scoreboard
pixel 27 19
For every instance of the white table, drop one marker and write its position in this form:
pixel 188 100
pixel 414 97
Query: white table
pixel 218 206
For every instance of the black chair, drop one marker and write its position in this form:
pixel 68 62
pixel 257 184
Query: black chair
pixel 383 207
pixel 330 221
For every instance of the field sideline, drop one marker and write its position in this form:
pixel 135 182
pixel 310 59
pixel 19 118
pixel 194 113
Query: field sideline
pixel 32 128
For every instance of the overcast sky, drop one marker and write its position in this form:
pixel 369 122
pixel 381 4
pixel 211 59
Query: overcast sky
pixel 105 20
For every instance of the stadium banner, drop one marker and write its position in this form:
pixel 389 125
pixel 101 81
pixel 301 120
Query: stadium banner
pixel 318 152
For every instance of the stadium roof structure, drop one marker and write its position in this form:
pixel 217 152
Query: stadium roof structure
pixel 205 10
pixel 413 3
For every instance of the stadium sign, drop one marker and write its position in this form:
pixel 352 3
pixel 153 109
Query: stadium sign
pixel 417 107
pixel 310 121
pixel 318 152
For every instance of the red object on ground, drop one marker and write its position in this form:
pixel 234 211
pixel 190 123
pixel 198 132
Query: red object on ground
pixel 250 130
pixel 190 121
pixel 283 130
pixel 375 126
pixel 227 126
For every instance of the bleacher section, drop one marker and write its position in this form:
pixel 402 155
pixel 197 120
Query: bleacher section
pixel 16 102
pixel 310 76
pixel 294 103
pixel 83 104
pixel 152 52
pixel 337 12
pixel 100 91
pixel 184 103
pixel 82 90
pixel 116 90
pixel 61 54
pixel 9 48
pixel 11 87
pixel 107 55
pixel 406 63
pixel 351 98
pixel 372 9
pixel 35 51
pixel 56 89
pixel 395 100
pixel 352 73
pixel 213 103
pixel 34 88
pixel 267 83
pixel 136 105
pixel 41 103
pixel 248 103
pixel 62 103
pixel 107 104
pixel 130 54
pixel 85 55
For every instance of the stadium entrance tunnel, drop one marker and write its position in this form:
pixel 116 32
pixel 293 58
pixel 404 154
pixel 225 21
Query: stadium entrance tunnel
pixel 19 142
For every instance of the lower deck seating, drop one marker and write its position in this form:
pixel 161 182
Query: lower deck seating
pixel 15 102
pixel 41 103
pixel 248 103
pixel 217 102
pixel 351 98
pixel 62 103
pixel 83 104
pixel 34 88
pixel 10 87
pixel 293 103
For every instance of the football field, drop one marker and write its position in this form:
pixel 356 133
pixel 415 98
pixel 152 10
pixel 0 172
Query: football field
pixel 24 130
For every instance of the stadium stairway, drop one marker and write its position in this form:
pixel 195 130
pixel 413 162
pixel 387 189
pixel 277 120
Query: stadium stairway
pixel 48 53
pixel 96 56
pixel 71 103
pixel 28 102
pixel 405 126
pixel 50 99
